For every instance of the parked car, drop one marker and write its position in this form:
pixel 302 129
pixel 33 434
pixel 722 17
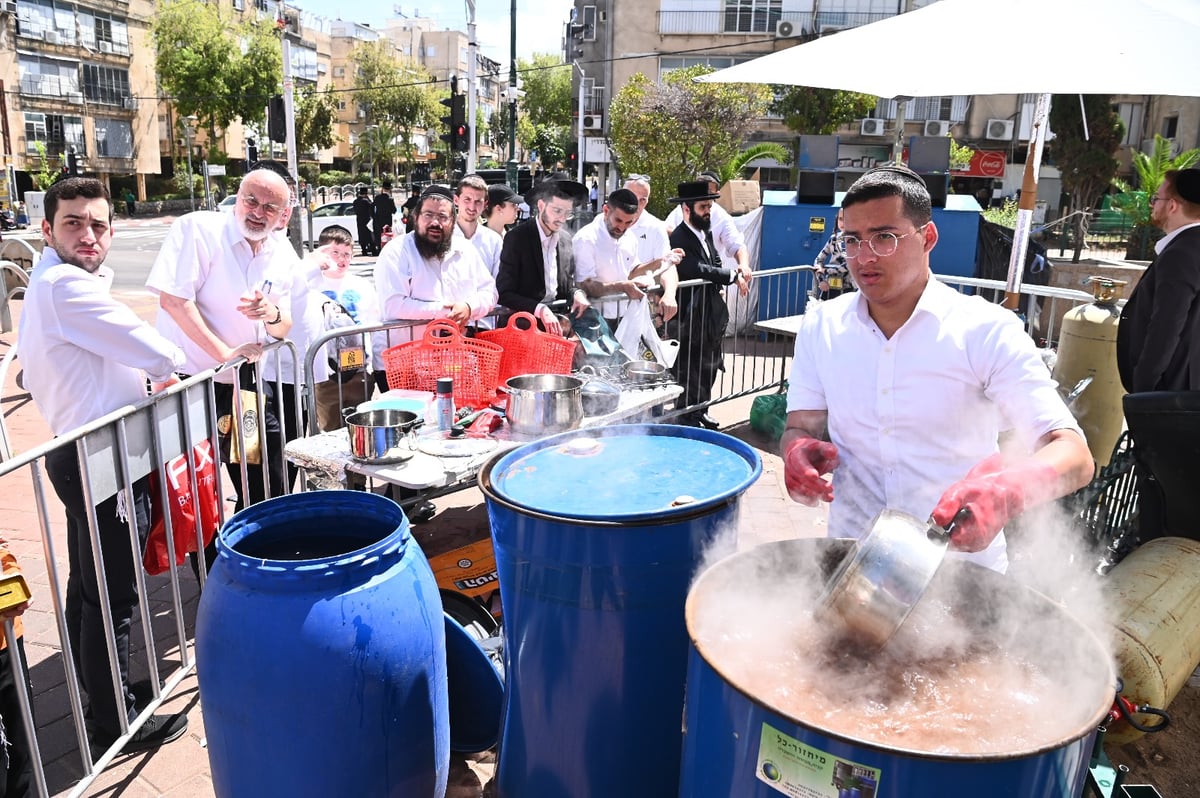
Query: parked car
pixel 331 213
pixel 226 205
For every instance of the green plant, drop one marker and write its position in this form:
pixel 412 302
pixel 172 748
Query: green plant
pixel 960 154
pixel 732 169
pixel 334 177
pixel 1005 215
pixel 43 178
pixel 1134 201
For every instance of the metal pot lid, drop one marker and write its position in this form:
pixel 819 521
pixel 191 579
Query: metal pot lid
pixel 624 473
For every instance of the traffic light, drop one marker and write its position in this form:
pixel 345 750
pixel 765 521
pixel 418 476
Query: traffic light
pixel 458 136
pixel 251 153
pixel 573 154
pixel 276 120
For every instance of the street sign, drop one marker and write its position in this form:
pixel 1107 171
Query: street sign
pixel 595 150
pixel 216 170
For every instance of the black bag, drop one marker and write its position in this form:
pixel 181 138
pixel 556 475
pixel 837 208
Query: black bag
pixel 596 345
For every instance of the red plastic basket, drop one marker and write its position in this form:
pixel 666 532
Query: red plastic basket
pixel 443 351
pixel 528 350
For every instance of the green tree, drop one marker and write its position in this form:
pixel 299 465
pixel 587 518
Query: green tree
pixel 960 154
pixel 316 117
pixel 546 142
pixel 819 111
pixel 732 169
pixel 547 87
pixel 1134 202
pixel 498 126
pixel 214 66
pixel 1088 165
pixel 401 94
pixel 378 148
pixel 43 178
pixel 672 129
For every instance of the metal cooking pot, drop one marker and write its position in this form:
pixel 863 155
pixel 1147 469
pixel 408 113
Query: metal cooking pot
pixel 540 404
pixel 381 436
pixel 875 589
pixel 642 371
pixel 599 396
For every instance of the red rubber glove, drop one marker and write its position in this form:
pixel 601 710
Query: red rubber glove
pixel 995 491
pixel 804 462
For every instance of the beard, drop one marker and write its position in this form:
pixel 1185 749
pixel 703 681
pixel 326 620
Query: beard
pixel 701 223
pixel 430 249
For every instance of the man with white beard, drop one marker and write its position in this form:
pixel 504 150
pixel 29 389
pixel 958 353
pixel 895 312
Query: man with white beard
pixel 224 289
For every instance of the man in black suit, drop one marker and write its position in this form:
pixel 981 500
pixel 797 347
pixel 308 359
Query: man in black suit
pixel 384 212
pixel 700 325
pixel 537 264
pixel 362 214
pixel 1158 338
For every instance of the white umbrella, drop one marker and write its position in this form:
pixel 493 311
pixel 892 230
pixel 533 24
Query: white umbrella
pixel 1034 47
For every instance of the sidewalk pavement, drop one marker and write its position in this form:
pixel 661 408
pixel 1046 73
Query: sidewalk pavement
pixel 181 768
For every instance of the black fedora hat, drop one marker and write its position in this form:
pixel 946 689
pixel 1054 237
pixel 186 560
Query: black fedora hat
pixel 694 190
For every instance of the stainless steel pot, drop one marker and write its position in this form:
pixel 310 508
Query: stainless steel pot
pixel 381 436
pixel 643 371
pixel 540 404
pixel 600 398
pixel 875 589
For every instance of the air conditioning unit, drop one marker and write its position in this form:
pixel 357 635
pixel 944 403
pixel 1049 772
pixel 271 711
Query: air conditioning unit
pixel 786 30
pixel 131 103
pixel 51 36
pixel 999 130
pixel 8 7
pixel 74 97
pixel 593 121
pixel 106 47
pixel 936 127
pixel 873 127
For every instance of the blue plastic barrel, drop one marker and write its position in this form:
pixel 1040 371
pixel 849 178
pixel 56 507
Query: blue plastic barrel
pixel 737 745
pixel 320 651
pixel 597 536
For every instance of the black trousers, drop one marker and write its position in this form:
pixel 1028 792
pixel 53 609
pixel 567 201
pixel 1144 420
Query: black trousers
pixel 16 764
pixel 366 238
pixel 700 329
pixel 85 622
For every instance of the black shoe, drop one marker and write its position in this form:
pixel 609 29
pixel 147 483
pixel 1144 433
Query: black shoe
pixel 422 512
pixel 708 421
pixel 157 730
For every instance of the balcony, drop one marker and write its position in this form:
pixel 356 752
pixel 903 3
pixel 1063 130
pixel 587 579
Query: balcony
pixel 751 22
pixel 51 87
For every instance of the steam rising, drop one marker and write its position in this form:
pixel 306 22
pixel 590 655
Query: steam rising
pixel 983 666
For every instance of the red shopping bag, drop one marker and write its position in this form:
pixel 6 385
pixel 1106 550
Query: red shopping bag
pixel 156 559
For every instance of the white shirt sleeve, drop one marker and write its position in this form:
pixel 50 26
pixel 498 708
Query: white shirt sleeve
pixel 728 237
pixel 583 245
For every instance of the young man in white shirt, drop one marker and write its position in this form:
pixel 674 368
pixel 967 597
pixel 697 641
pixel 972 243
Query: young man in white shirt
pixel 85 355
pixel 470 200
pixel 901 390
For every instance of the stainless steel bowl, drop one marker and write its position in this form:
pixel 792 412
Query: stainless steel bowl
pixel 540 404
pixel 875 589
pixel 381 436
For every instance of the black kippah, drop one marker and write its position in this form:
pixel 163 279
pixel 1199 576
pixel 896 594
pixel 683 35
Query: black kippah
pixel 1187 184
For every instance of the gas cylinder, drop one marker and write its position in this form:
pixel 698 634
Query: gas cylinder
pixel 1087 347
pixel 1156 595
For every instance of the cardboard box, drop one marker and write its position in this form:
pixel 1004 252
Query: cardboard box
pixel 740 196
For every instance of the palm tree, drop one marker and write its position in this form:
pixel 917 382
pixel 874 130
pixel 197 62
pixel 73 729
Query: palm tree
pixel 1135 204
pixel 732 168
pixel 379 146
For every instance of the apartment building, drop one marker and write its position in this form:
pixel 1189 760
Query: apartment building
pixel 77 78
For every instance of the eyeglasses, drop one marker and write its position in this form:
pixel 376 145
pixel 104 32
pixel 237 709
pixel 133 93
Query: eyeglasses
pixel 882 244
pixel 440 218
pixel 1157 198
pixel 252 202
pixel 638 178
pixel 560 213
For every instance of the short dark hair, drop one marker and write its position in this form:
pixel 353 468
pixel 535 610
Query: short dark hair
pixel 335 234
pixel 472 181
pixel 623 200
pixel 893 180
pixel 385 184
pixel 74 188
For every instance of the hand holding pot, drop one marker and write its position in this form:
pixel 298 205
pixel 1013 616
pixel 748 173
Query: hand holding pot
pixel 805 461
pixel 995 491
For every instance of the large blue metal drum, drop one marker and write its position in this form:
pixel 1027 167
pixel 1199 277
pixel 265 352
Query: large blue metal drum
pixel 737 744
pixel 321 655
pixel 598 535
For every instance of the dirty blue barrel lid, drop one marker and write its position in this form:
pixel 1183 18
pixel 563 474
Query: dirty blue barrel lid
pixel 625 473
pixel 476 692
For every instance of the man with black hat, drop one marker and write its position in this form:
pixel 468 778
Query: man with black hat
pixel 363 209
pixel 700 325
pixel 536 262
pixel 1158 338
pixel 730 241
pixel 383 212
pixel 901 389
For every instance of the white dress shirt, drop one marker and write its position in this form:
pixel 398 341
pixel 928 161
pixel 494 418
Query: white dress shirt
pixel 85 354
pixel 651 236
pixel 206 259
pixel 412 287
pixel 549 263
pixel 910 415
pixel 599 256
pixel 728 237
pixel 487 243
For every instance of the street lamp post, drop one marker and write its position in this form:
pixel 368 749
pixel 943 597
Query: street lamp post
pixel 187 129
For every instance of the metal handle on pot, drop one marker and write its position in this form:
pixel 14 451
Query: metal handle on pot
pixel 941 534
